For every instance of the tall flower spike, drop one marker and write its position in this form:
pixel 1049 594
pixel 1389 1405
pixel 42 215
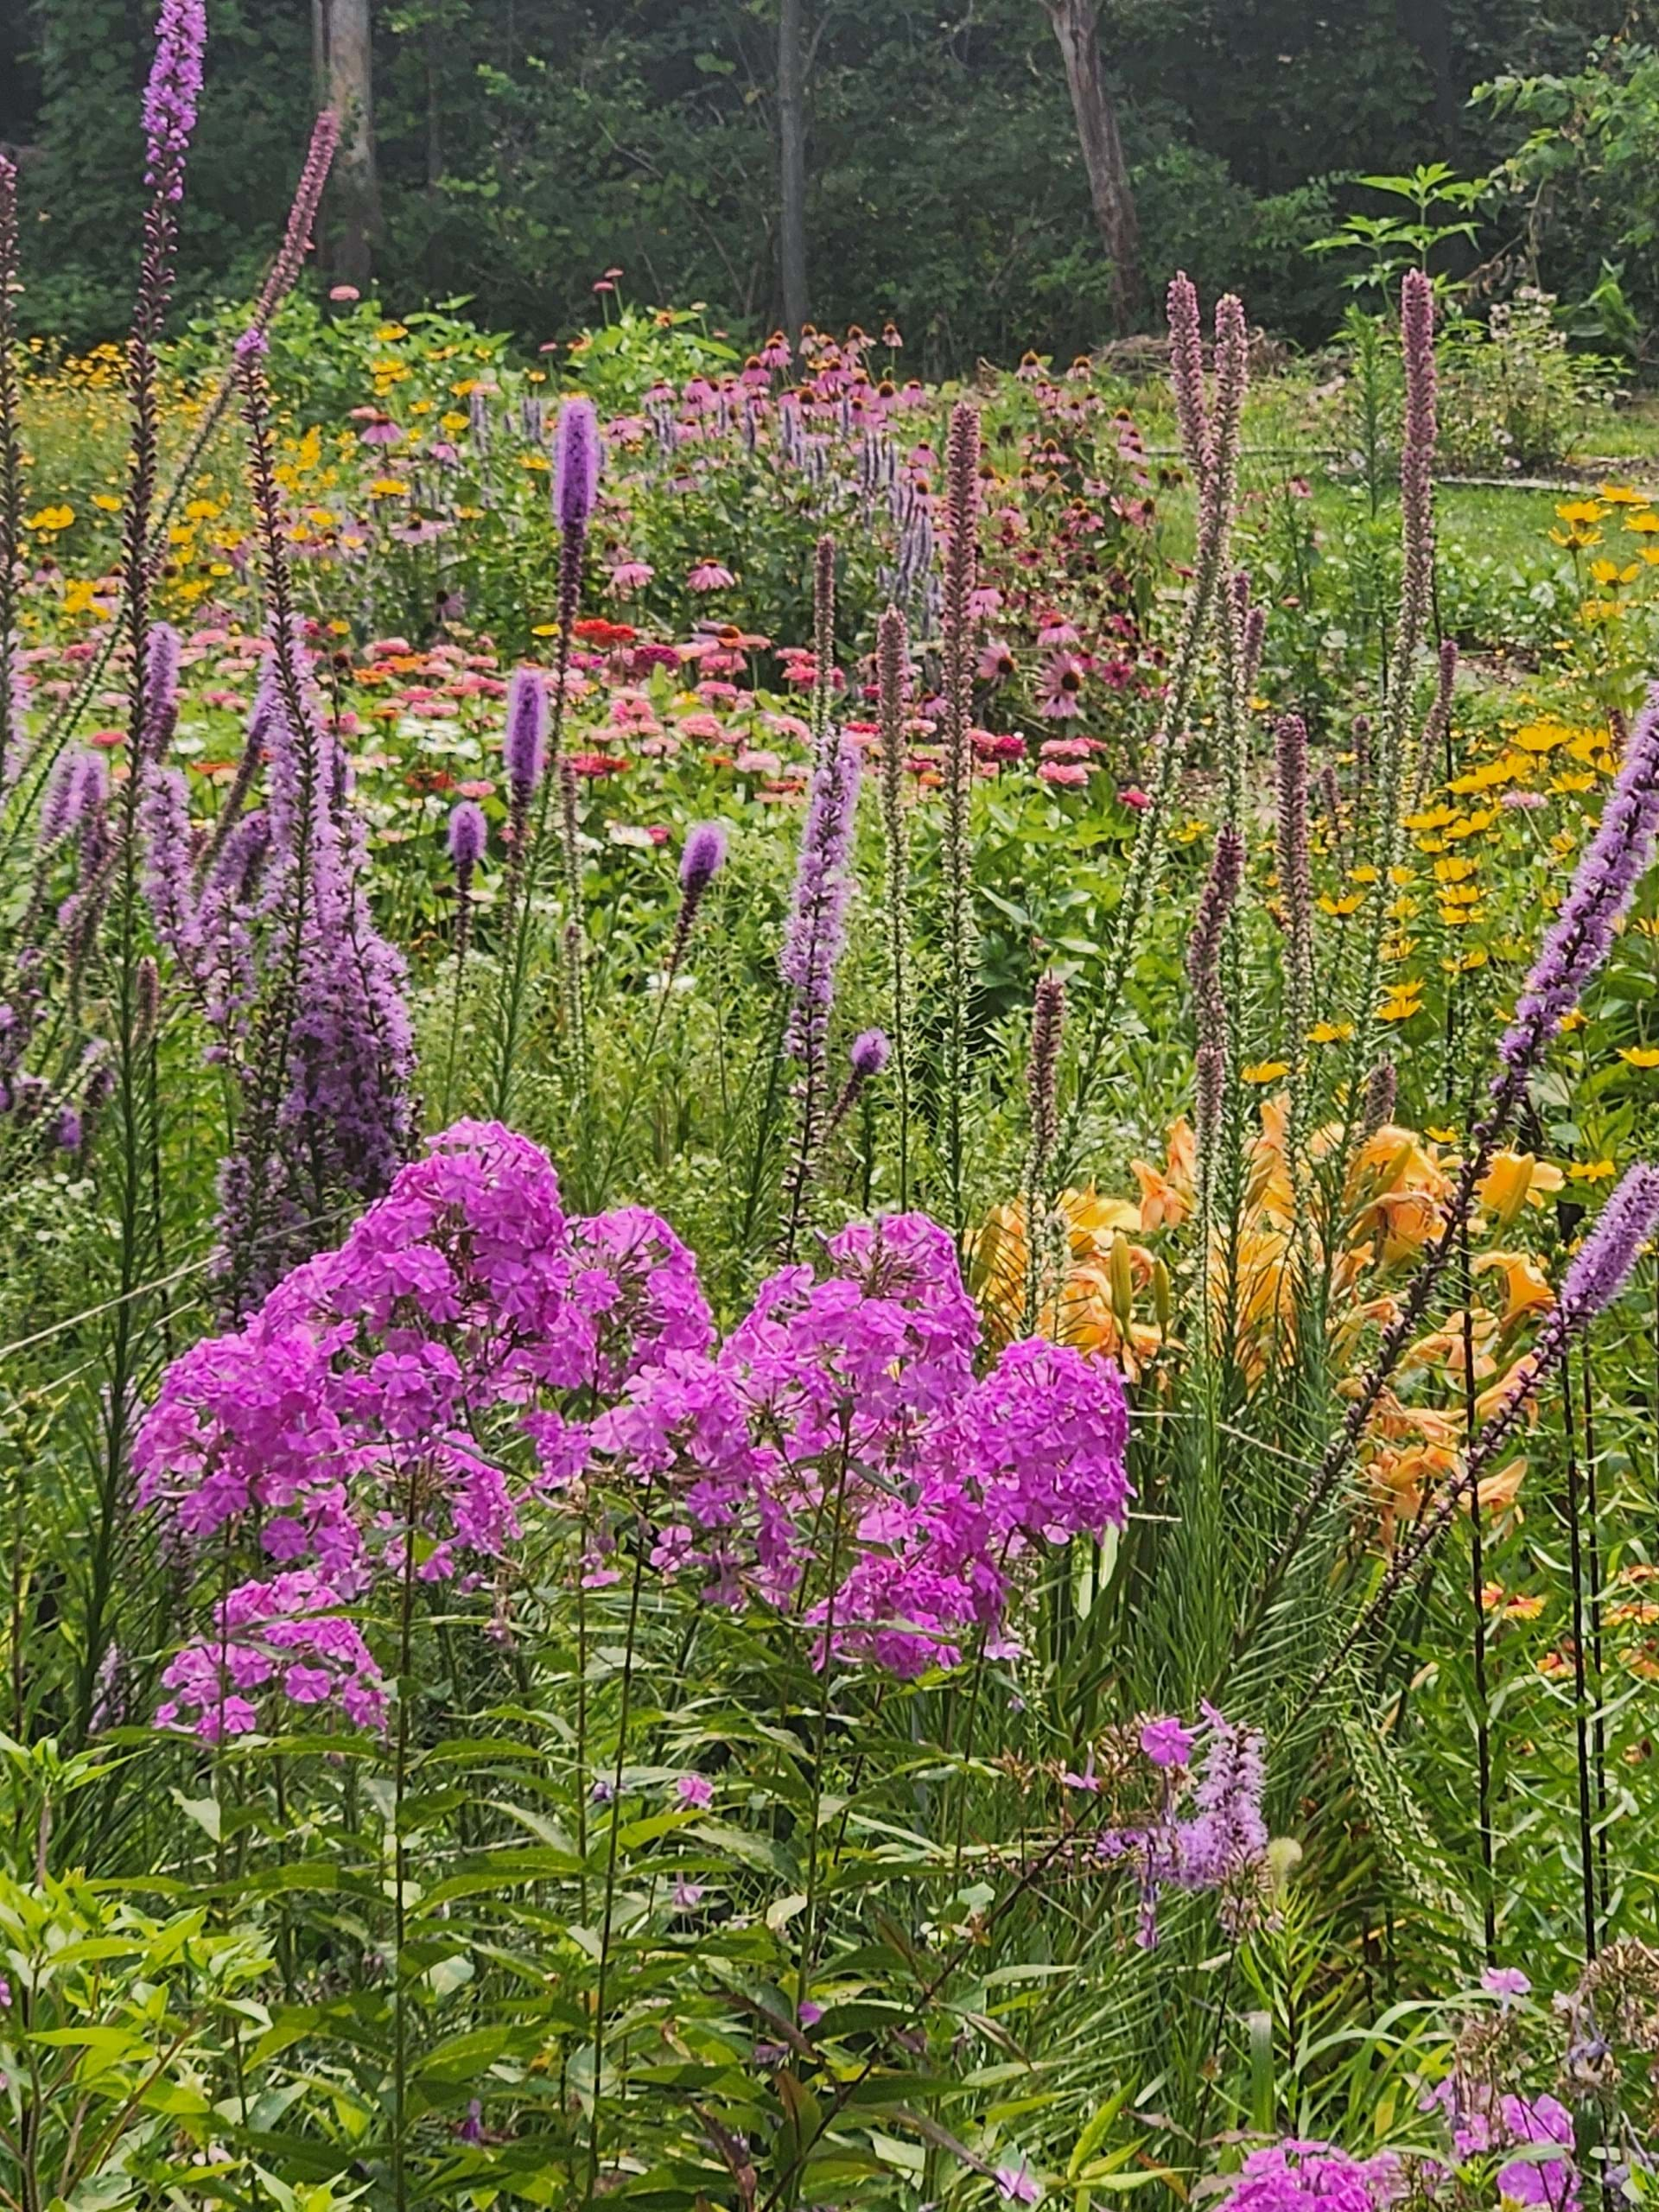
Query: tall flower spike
pixel 1296 898
pixel 823 641
pixel 1603 885
pixel 892 673
pixel 523 750
pixel 1218 480
pixel 576 464
pixel 301 218
pixel 1186 371
pixel 1216 904
pixel 171 92
pixel 961 568
pixel 12 686
pixel 813 943
pixel 1437 723
pixel 700 861
pixel 865 1061
pixel 1598 1272
pixel 160 706
pixel 1416 463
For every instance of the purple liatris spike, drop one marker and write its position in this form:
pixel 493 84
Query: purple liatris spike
pixel 468 834
pixel 1186 371
pixel 1603 885
pixel 302 217
pixel 700 861
pixel 1603 1263
pixel 160 711
pixel 1204 951
pixel 817 919
pixel 703 857
pixel 171 93
pixel 576 464
pixel 870 1053
pixel 525 748
pixel 1043 1076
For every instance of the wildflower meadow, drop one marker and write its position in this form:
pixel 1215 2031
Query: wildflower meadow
pixel 829 1319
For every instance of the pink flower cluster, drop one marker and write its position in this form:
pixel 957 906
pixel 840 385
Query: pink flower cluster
pixel 835 1454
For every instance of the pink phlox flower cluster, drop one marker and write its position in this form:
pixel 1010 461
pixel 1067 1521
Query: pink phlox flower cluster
pixel 287 1632
pixel 1483 2122
pixel 381 1397
pixel 1312 2176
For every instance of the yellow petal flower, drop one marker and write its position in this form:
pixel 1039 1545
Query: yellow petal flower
pixel 1640 1056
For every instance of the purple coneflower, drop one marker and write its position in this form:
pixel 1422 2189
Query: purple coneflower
pixel 1062 688
pixel 709 575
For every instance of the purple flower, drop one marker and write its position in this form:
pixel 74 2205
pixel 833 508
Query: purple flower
pixel 467 836
pixel 1018 2184
pixel 1310 2176
pixel 1166 1743
pixel 576 464
pixel 817 921
pixel 1603 885
pixel 524 746
pixel 702 858
pixel 1505 1981
pixel 171 93
pixel 694 1791
pixel 868 1055
pixel 160 708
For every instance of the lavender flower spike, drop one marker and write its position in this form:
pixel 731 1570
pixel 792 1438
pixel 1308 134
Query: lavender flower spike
pixel 523 750
pixel 160 706
pixel 700 861
pixel 1603 885
pixel 1599 1271
pixel 576 464
pixel 703 857
pixel 302 217
pixel 813 943
pixel 170 95
pixel 1186 371
pixel 467 836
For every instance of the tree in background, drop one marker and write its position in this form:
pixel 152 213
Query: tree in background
pixel 1077 29
pixel 343 34
pixel 512 151
pixel 791 162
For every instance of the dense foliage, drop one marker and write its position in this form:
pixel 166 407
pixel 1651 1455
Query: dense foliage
pixel 527 146
pixel 827 1352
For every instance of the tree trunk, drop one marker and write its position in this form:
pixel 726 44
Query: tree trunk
pixel 354 186
pixel 1076 27
pixel 791 154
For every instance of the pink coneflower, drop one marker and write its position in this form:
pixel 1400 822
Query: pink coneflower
pixel 386 432
pixel 983 601
pixel 626 576
pixel 1062 688
pixel 709 575
pixel 1054 630
pixel 996 661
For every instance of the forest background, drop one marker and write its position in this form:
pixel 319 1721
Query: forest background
pixel 993 174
